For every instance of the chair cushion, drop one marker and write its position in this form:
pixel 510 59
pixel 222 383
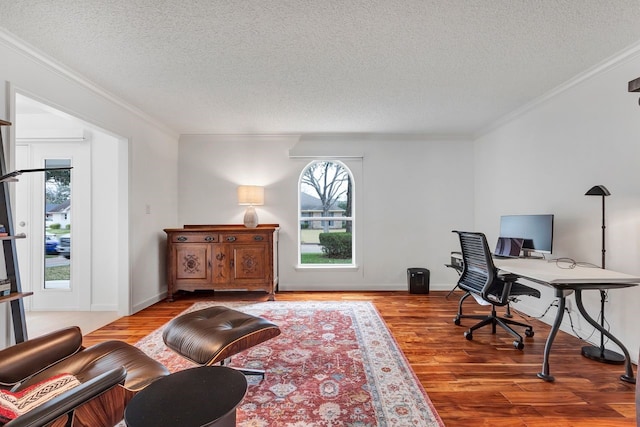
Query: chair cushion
pixel 14 404
pixel 22 360
pixel 100 358
pixel 518 289
pixel 212 334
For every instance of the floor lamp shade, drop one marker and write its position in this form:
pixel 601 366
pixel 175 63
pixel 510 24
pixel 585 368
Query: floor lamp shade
pixel 250 195
pixel 598 190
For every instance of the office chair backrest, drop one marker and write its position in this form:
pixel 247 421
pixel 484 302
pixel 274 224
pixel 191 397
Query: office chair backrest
pixel 478 272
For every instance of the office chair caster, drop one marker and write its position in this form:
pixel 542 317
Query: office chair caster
pixel 456 321
pixel 529 333
pixel 468 335
pixel 518 345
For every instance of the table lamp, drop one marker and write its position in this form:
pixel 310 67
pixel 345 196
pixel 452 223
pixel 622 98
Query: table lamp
pixel 250 195
pixel 601 354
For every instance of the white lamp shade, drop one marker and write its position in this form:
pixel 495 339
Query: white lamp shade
pixel 252 195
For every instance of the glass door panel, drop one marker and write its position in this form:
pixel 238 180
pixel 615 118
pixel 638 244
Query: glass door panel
pixel 57 224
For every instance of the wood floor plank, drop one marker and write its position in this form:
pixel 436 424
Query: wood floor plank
pixel 578 422
pixel 483 382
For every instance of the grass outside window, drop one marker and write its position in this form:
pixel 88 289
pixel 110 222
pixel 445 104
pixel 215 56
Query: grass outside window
pixel 62 272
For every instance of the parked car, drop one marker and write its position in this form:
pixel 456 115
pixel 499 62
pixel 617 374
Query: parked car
pixel 50 245
pixel 64 246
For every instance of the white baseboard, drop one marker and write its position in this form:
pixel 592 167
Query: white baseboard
pixel 104 307
pixel 148 302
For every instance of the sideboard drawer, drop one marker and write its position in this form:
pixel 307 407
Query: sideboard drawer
pixel 244 238
pixel 194 238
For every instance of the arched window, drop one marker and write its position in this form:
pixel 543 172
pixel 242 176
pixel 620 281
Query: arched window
pixel 326 214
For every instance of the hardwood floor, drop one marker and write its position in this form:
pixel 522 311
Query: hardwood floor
pixel 484 382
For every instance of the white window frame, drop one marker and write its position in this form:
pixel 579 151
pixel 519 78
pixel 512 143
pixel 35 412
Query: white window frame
pixel 352 218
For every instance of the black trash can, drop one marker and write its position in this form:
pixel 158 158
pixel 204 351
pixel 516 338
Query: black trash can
pixel 418 280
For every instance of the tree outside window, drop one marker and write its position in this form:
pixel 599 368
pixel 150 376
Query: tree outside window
pixel 326 214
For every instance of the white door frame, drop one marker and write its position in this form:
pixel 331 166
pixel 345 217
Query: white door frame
pixel 31 222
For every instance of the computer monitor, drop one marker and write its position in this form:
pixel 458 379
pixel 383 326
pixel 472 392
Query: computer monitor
pixel 535 230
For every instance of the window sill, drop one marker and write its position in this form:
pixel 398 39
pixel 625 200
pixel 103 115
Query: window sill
pixel 328 267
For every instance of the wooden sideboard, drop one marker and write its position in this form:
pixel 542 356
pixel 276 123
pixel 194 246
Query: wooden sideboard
pixel 222 257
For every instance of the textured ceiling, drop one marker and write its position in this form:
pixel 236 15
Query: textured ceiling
pixel 307 66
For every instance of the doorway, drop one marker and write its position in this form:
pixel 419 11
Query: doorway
pixel 94 234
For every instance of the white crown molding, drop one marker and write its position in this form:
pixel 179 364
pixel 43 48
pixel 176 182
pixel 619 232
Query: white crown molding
pixel 608 64
pixel 20 46
pixel 382 137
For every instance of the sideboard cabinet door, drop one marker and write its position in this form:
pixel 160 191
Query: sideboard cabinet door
pixel 250 263
pixel 193 262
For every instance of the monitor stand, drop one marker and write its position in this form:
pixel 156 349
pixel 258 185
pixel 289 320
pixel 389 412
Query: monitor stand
pixel 526 253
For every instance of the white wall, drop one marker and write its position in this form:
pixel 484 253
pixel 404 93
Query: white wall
pixel 411 193
pixel 104 242
pixel 546 159
pixel 152 153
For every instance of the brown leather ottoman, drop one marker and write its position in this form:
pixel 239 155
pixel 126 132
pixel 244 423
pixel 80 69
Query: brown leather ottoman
pixel 213 334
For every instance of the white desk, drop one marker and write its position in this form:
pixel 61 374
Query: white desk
pixel 565 281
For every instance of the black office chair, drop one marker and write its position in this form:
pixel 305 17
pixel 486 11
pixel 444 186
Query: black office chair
pixel 480 278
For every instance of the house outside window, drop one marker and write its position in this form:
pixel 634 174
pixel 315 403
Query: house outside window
pixel 325 212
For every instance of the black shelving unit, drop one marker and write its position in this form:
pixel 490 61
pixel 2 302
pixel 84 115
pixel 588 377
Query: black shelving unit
pixel 10 255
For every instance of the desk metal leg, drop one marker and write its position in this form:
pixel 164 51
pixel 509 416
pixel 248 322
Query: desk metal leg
pixel 451 291
pixel 552 335
pixel 628 376
pixel 458 270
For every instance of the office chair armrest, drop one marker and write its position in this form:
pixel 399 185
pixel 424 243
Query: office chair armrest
pixel 70 400
pixel 508 277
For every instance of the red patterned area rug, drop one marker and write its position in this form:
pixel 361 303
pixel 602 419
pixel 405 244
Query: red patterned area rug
pixel 335 364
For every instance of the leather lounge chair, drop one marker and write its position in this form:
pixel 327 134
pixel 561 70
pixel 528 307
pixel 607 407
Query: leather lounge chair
pixel 109 375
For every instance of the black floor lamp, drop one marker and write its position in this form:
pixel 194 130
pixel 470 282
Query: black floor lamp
pixel 601 354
